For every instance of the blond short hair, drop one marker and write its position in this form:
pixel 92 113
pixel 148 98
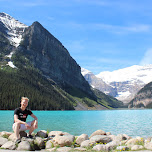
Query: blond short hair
pixel 25 98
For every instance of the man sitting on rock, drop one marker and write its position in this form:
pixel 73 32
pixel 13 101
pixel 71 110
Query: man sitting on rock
pixel 20 124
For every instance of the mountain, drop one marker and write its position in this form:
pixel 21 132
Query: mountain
pixel 125 83
pixel 12 28
pixel 34 63
pixel 98 83
pixel 143 98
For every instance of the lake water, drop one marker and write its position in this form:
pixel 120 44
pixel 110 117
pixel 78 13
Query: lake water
pixel 130 122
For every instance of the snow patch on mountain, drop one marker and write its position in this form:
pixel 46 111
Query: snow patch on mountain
pixel 124 83
pixel 14 28
pixel 85 71
pixel 10 63
pixel 128 81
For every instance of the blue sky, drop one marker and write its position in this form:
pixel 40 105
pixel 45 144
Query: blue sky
pixel 101 35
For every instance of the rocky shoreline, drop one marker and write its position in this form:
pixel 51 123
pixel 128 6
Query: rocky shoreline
pixel 64 142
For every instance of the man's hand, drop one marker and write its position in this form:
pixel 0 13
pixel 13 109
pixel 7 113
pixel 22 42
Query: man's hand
pixel 27 126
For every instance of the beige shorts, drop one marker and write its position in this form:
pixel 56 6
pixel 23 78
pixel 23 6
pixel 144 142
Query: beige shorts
pixel 22 127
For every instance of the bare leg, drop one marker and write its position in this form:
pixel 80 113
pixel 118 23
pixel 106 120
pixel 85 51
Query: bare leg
pixel 16 130
pixel 34 125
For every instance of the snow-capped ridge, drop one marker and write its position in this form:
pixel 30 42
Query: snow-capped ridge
pixel 14 28
pixel 125 82
pixel 142 73
pixel 85 71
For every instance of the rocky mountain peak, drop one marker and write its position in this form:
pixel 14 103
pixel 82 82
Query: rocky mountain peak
pixel 13 28
pixel 48 54
pixel 123 83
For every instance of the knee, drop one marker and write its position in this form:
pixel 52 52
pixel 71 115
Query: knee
pixel 35 127
pixel 17 124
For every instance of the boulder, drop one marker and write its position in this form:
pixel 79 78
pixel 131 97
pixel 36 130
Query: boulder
pixel 113 137
pixel 108 133
pixel 137 147
pixel 82 138
pixel 64 149
pixel 23 134
pixel 9 145
pixel 42 133
pixel 56 133
pixel 99 147
pixel 12 137
pixel 3 141
pixel 24 145
pixel 122 148
pixel 100 139
pixel 52 149
pixel 121 137
pixel 65 140
pixel 49 144
pixel 111 145
pixel 126 137
pixel 39 142
pixel 79 149
pixel 5 134
pixel 85 143
pixel 98 132
pixel 131 142
pixel 148 145
pixel 30 140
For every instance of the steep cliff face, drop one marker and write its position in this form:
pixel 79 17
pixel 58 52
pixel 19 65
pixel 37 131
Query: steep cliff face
pixel 48 54
pixel 143 99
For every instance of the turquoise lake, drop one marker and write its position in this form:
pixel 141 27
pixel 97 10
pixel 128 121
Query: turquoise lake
pixel 130 122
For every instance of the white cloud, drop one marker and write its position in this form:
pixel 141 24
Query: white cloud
pixel 117 29
pixel 122 29
pixel 147 59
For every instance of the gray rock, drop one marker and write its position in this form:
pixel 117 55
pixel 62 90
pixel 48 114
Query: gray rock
pixel 82 138
pixel 85 143
pixel 131 142
pixel 12 137
pixel 42 133
pixel 23 134
pixel 108 133
pixel 122 148
pixel 3 141
pixel 31 141
pixel 148 145
pixel 49 144
pixel 5 133
pixel 111 145
pixel 39 142
pixel 80 149
pixel 98 132
pixel 99 147
pixel 64 149
pixel 122 137
pixel 9 145
pixel 65 140
pixel 100 139
pixel 55 133
pixel 137 147
pixel 24 145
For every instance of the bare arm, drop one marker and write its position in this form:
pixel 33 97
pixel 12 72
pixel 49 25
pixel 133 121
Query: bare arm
pixel 33 116
pixel 17 120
